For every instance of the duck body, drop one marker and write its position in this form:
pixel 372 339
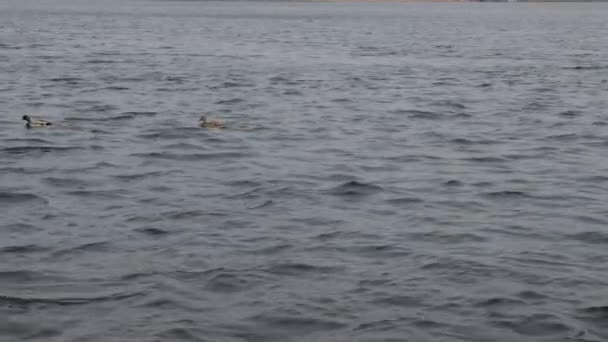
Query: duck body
pixel 210 123
pixel 29 123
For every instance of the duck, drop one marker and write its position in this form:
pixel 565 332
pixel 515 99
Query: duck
pixel 35 123
pixel 213 123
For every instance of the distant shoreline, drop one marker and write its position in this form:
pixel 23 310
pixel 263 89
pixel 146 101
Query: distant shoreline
pixel 452 1
pixel 380 1
pixel 390 1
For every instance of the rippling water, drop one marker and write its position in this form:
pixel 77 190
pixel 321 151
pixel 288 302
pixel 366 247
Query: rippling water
pixel 391 172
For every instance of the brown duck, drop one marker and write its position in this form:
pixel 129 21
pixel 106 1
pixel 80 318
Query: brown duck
pixel 210 123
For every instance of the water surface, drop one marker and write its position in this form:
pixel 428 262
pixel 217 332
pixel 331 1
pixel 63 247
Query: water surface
pixel 392 172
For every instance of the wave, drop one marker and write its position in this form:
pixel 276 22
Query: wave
pixel 15 198
pixel 230 282
pixel 39 149
pixel 302 325
pixel 24 276
pixel 570 113
pixel 65 301
pixel 355 189
pixel 267 203
pixel 66 79
pixel 596 311
pixel 299 269
pixel 141 176
pixel 419 114
pixel 586 67
pixel 592 237
pixel 116 88
pixel 191 156
pixel 539 325
pixel 66 182
pixel 375 251
pixel 24 249
pixel 230 101
pixel 507 194
pixel 153 231
pixel 447 238
pixel 29 140
pixel 487 159
pixel 99 246
pixel 99 194
pixel 499 302
pixel 404 200
pixel 140 113
pixel 398 300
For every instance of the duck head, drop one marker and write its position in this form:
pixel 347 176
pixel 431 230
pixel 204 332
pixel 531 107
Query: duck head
pixel 27 118
pixel 203 119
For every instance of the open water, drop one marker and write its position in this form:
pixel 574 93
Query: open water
pixel 390 172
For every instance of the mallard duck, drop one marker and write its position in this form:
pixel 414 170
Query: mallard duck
pixel 213 123
pixel 35 123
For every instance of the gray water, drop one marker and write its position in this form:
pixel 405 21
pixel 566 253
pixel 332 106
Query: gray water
pixel 390 172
